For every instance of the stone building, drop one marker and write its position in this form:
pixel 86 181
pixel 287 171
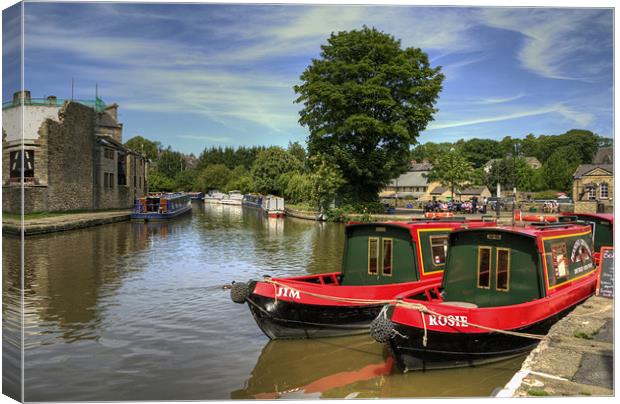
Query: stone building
pixel 72 159
pixel 412 185
pixel 593 188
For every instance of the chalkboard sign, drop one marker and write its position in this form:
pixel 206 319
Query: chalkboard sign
pixel 607 272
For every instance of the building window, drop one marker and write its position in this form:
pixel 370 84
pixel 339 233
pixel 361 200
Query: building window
pixel 108 180
pixel 592 194
pixel 503 269
pixel 15 162
pixel 108 153
pixel 386 268
pixel 484 267
pixel 604 191
pixel 121 166
pixel 373 256
pixel 439 247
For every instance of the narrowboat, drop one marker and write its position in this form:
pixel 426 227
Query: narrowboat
pixel 273 206
pixel 380 261
pixel 602 228
pixel 502 289
pixel 234 198
pixel 215 197
pixel 196 196
pixel 252 201
pixel 163 206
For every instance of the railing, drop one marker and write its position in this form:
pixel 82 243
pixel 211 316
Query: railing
pixel 97 104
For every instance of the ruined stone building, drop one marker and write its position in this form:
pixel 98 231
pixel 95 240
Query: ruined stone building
pixel 73 157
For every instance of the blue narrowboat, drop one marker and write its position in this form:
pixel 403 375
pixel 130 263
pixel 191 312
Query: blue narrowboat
pixel 253 201
pixel 160 207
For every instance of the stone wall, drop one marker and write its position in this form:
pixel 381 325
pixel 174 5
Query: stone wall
pixel 70 149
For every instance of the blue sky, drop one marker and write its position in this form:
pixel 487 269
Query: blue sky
pixel 197 75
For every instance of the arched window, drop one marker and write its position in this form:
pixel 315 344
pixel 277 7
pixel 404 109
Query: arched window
pixel 604 190
pixel 592 193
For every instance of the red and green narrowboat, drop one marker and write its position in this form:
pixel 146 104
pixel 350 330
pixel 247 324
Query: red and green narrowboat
pixel 602 228
pixel 514 282
pixel 381 260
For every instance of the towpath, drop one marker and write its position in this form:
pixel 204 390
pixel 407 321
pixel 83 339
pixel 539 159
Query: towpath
pixel 63 222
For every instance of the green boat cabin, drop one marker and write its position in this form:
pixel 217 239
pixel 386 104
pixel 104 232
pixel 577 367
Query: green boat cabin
pixel 602 227
pixel 511 265
pixel 396 252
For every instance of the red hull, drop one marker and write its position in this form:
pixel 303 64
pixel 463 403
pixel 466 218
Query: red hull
pixel 275 215
pixel 320 293
pixel 501 318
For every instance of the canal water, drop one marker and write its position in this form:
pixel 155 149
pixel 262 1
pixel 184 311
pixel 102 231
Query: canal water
pixel 134 311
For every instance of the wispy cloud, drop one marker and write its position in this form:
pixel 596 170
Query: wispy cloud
pixel 498 100
pixel 555 41
pixel 216 139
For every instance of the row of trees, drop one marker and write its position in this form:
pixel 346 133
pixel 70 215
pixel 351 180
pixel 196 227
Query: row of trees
pixel 464 161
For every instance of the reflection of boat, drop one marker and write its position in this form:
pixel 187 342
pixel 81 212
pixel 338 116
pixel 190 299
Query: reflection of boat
pixel 381 260
pixel 163 206
pixel 273 206
pixel 500 283
pixel 234 198
pixel 214 197
pixel 252 201
pixel 312 367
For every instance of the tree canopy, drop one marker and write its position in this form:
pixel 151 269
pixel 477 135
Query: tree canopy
pixel 270 164
pixel 365 101
pixel 451 170
pixel 144 146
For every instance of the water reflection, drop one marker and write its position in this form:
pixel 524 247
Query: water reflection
pixel 136 311
pixel 307 367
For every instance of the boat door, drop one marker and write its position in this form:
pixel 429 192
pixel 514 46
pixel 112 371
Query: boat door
pixel 493 274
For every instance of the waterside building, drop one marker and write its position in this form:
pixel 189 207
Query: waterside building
pixel 72 156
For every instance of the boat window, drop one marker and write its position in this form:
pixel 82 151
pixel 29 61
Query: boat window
pixel 503 269
pixel 386 268
pixel 373 256
pixel 439 247
pixel 484 267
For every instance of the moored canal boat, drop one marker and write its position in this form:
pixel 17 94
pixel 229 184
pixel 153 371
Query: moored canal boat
pixel 214 197
pixel 164 206
pixel 233 198
pixel 196 196
pixel 381 260
pixel 602 229
pixel 502 289
pixel 252 201
pixel 273 206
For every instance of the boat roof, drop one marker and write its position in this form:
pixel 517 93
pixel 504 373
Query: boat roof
pixel 535 230
pixel 453 222
pixel 603 216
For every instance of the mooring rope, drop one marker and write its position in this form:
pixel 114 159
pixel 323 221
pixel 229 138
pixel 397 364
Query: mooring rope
pixel 398 302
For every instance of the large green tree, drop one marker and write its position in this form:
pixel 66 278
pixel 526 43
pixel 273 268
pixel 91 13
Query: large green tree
pixel 451 170
pixel 212 177
pixel 365 101
pixel 170 163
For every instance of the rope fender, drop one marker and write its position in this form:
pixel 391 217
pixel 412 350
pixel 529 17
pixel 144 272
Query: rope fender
pixel 422 309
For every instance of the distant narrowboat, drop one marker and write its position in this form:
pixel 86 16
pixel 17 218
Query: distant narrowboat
pixel 381 260
pixel 502 289
pixel 234 198
pixel 215 197
pixel 273 206
pixel 253 201
pixel 161 206
pixel 196 196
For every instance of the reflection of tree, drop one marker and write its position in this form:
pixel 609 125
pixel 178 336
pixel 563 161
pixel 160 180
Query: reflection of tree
pixel 66 275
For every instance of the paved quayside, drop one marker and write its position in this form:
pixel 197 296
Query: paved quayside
pixel 575 359
pixel 64 222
